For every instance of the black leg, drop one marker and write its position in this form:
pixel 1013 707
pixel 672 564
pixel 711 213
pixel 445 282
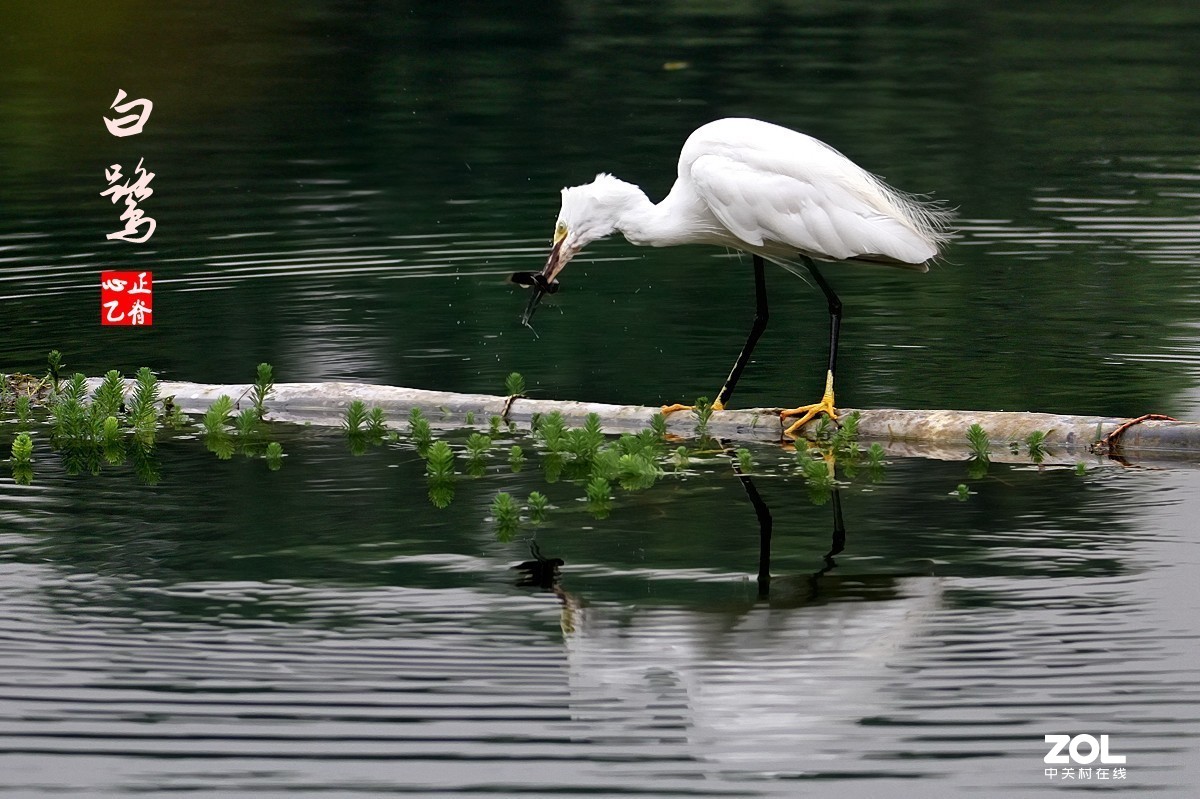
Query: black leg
pixel 756 331
pixel 839 543
pixel 835 311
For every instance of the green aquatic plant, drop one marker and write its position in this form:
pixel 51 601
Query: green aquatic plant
pixel 506 515
pixel 54 369
pixel 24 410
pixel 69 410
pixel 76 388
pixel 112 446
pixel 419 430
pixel 980 443
pixel 144 460
pixel 494 424
pixel 631 460
pixel 356 417
pixel 643 442
pixel 658 426
pixel 216 418
pixel 514 385
pixel 246 422
pixel 599 499
pixel 111 430
pixel 875 456
pixel 538 505
pixel 439 469
pixel 606 463
pixel 516 457
pixel 439 461
pixel 109 396
pixel 981 452
pixel 22 449
pixel 220 443
pixel 376 424
pixel 142 411
pixel 815 469
pixel 469 420
pixel 636 472
pixel 680 458
pixel 22 459
pixel 478 445
pixel 845 437
pixel 552 466
pixel 824 430
pixel 582 444
pixel 552 431
pixel 837 445
pixel 702 410
pixel 875 462
pixel 264 384
pixel 1036 444
pixel 962 492
pixel 839 441
pixel 818 477
pixel 274 456
pixel 744 461
pixel 441 493
pixel 1081 468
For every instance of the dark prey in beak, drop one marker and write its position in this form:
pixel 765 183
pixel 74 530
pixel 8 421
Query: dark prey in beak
pixel 540 286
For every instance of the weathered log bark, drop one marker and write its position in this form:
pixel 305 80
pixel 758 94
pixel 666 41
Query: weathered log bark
pixel 928 433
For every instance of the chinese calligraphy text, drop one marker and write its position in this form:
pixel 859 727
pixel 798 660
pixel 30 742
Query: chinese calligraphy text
pixel 131 191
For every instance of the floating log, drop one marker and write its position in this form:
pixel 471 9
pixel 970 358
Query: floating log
pixel 940 434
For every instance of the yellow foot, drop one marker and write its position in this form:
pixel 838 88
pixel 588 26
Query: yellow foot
pixel 667 410
pixel 807 412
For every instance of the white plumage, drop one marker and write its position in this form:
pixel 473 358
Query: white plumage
pixel 762 188
pixel 778 194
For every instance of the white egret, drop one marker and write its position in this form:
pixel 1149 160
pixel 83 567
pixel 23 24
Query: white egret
pixel 777 194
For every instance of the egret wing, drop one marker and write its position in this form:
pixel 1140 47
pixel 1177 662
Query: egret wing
pixel 775 201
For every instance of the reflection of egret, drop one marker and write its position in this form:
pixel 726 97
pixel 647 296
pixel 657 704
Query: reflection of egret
pixel 766 685
pixel 770 191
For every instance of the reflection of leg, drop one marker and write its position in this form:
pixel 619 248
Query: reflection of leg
pixel 839 530
pixel 837 545
pixel 765 525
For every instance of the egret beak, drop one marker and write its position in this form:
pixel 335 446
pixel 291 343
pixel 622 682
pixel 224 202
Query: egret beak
pixel 542 282
pixel 555 262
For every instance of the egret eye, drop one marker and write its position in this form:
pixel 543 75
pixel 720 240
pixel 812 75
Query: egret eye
pixel 560 233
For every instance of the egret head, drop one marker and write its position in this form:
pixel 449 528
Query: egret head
pixel 588 212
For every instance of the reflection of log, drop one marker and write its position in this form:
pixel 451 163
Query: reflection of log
pixel 927 433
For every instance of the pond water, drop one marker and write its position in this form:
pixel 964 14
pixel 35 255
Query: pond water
pixel 342 190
